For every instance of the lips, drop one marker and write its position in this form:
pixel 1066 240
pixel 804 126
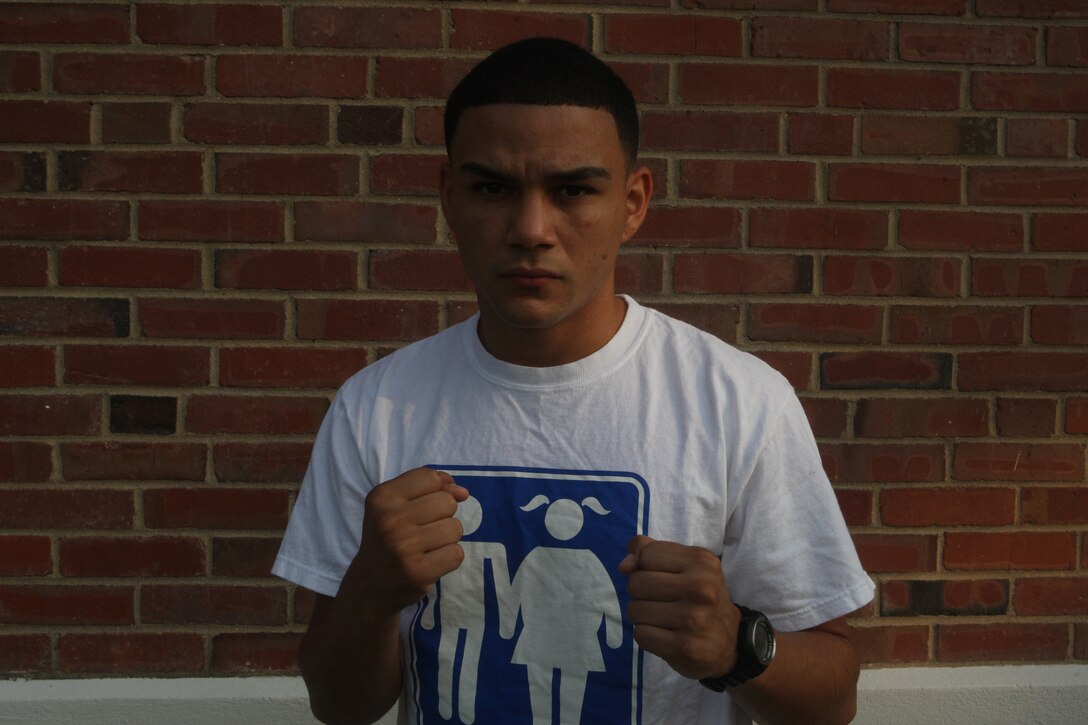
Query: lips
pixel 530 277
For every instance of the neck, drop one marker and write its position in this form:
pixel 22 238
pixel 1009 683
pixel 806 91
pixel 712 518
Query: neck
pixel 560 344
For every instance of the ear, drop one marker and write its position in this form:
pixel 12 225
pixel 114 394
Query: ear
pixel 640 188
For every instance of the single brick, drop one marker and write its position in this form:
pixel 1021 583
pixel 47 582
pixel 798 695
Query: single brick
pixel 1065 372
pixel 211 221
pixel 891 644
pixel 52 415
pixel 340 27
pixel 903 89
pixel 292 76
pixel 26 556
pixel 747 180
pixel 419 77
pixel 1004 642
pixel 1026 417
pixel 261 462
pixel 171 652
pixel 883 463
pixel 22 172
pixel 1059 232
pixel 38 509
pixel 1027 462
pixel 369 125
pixel 1054 505
pixel 1054 92
pixel 285 269
pixel 33 121
pixel 921 417
pixel 748 84
pixel 210 24
pixel 966 231
pixel 885 370
pixel 491 29
pixel 40 604
pixel 25 653
pixel 143 414
pixel 928 135
pixel 1051 596
pixel 20 71
pixel 147 556
pixel 290 367
pixel 358 221
pixel 61 219
pixel 880 553
pixel 248 653
pixel 987 551
pixel 244 556
pixel 1067 46
pixel 206 604
pixel 1035 278
pixel 709 131
pixel 294 174
pixel 809 322
pixel 94 266
pixel 1019 186
pixel 932 183
pixel 153 172
pixel 26 366
pixel 258 123
pixel 25 462
pixel 226 414
pixel 818 228
pixel 742 273
pixel 63 316
pixel 891 276
pixel 957 325
pixel 832 39
pixel 982 44
pixel 417 270
pixel 822 134
pixel 134 73
pixel 673 35
pixel 213 319
pixel 218 508
pixel 717 319
pixel 134 122
pixel 1045 137
pixel 24 267
pixel 366 319
pixel 944 597
pixel 405 174
pixel 1056 325
pixel 136 365
pixel 63 23
pixel 132 461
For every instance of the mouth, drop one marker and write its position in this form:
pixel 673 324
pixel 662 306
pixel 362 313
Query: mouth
pixel 530 276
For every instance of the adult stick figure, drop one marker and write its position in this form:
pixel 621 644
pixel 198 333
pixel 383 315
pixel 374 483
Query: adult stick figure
pixel 459 597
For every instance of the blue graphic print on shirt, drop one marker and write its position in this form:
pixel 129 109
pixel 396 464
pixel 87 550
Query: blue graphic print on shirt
pixel 532 627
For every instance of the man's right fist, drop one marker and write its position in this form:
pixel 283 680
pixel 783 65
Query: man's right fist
pixel 410 539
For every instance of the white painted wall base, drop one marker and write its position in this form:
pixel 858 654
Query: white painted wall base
pixel 1008 695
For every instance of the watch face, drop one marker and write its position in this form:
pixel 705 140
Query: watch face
pixel 763 641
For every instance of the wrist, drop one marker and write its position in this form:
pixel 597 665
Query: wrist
pixel 755 650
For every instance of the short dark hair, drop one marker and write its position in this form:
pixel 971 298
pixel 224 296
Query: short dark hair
pixel 546 72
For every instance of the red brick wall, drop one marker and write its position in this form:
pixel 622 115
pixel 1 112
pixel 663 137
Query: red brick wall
pixel 212 214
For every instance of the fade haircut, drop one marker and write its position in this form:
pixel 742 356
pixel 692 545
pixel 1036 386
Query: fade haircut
pixel 546 72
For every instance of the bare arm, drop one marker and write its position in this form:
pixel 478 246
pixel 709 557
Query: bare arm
pixel 683 613
pixel 351 655
pixel 813 679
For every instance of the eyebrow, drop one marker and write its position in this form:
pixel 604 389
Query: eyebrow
pixel 582 173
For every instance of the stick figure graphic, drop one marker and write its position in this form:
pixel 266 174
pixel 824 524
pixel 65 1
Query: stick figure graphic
pixel 562 595
pixel 460 599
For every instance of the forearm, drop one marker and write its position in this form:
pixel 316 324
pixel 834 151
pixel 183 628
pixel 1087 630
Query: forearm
pixel 813 679
pixel 351 666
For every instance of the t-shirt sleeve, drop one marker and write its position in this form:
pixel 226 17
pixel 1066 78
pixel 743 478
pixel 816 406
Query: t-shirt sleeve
pixel 326 524
pixel 787 552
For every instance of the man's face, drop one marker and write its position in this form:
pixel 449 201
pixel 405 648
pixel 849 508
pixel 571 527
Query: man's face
pixel 539 199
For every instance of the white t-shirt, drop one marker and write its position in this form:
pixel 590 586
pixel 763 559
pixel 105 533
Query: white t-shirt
pixel 665 431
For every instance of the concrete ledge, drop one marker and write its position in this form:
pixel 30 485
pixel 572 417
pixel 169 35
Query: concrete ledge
pixel 1008 695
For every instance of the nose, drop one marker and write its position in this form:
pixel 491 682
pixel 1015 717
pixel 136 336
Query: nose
pixel 531 223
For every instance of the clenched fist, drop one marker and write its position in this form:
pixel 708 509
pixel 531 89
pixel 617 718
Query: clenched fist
pixel 410 539
pixel 680 606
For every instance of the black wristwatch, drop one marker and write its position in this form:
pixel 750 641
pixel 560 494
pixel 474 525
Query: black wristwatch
pixel 755 651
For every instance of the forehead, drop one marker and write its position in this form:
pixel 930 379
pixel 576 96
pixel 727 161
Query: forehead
pixel 552 135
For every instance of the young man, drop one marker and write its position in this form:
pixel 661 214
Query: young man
pixel 568 508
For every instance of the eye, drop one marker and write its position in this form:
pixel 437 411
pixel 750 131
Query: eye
pixel 490 188
pixel 574 191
